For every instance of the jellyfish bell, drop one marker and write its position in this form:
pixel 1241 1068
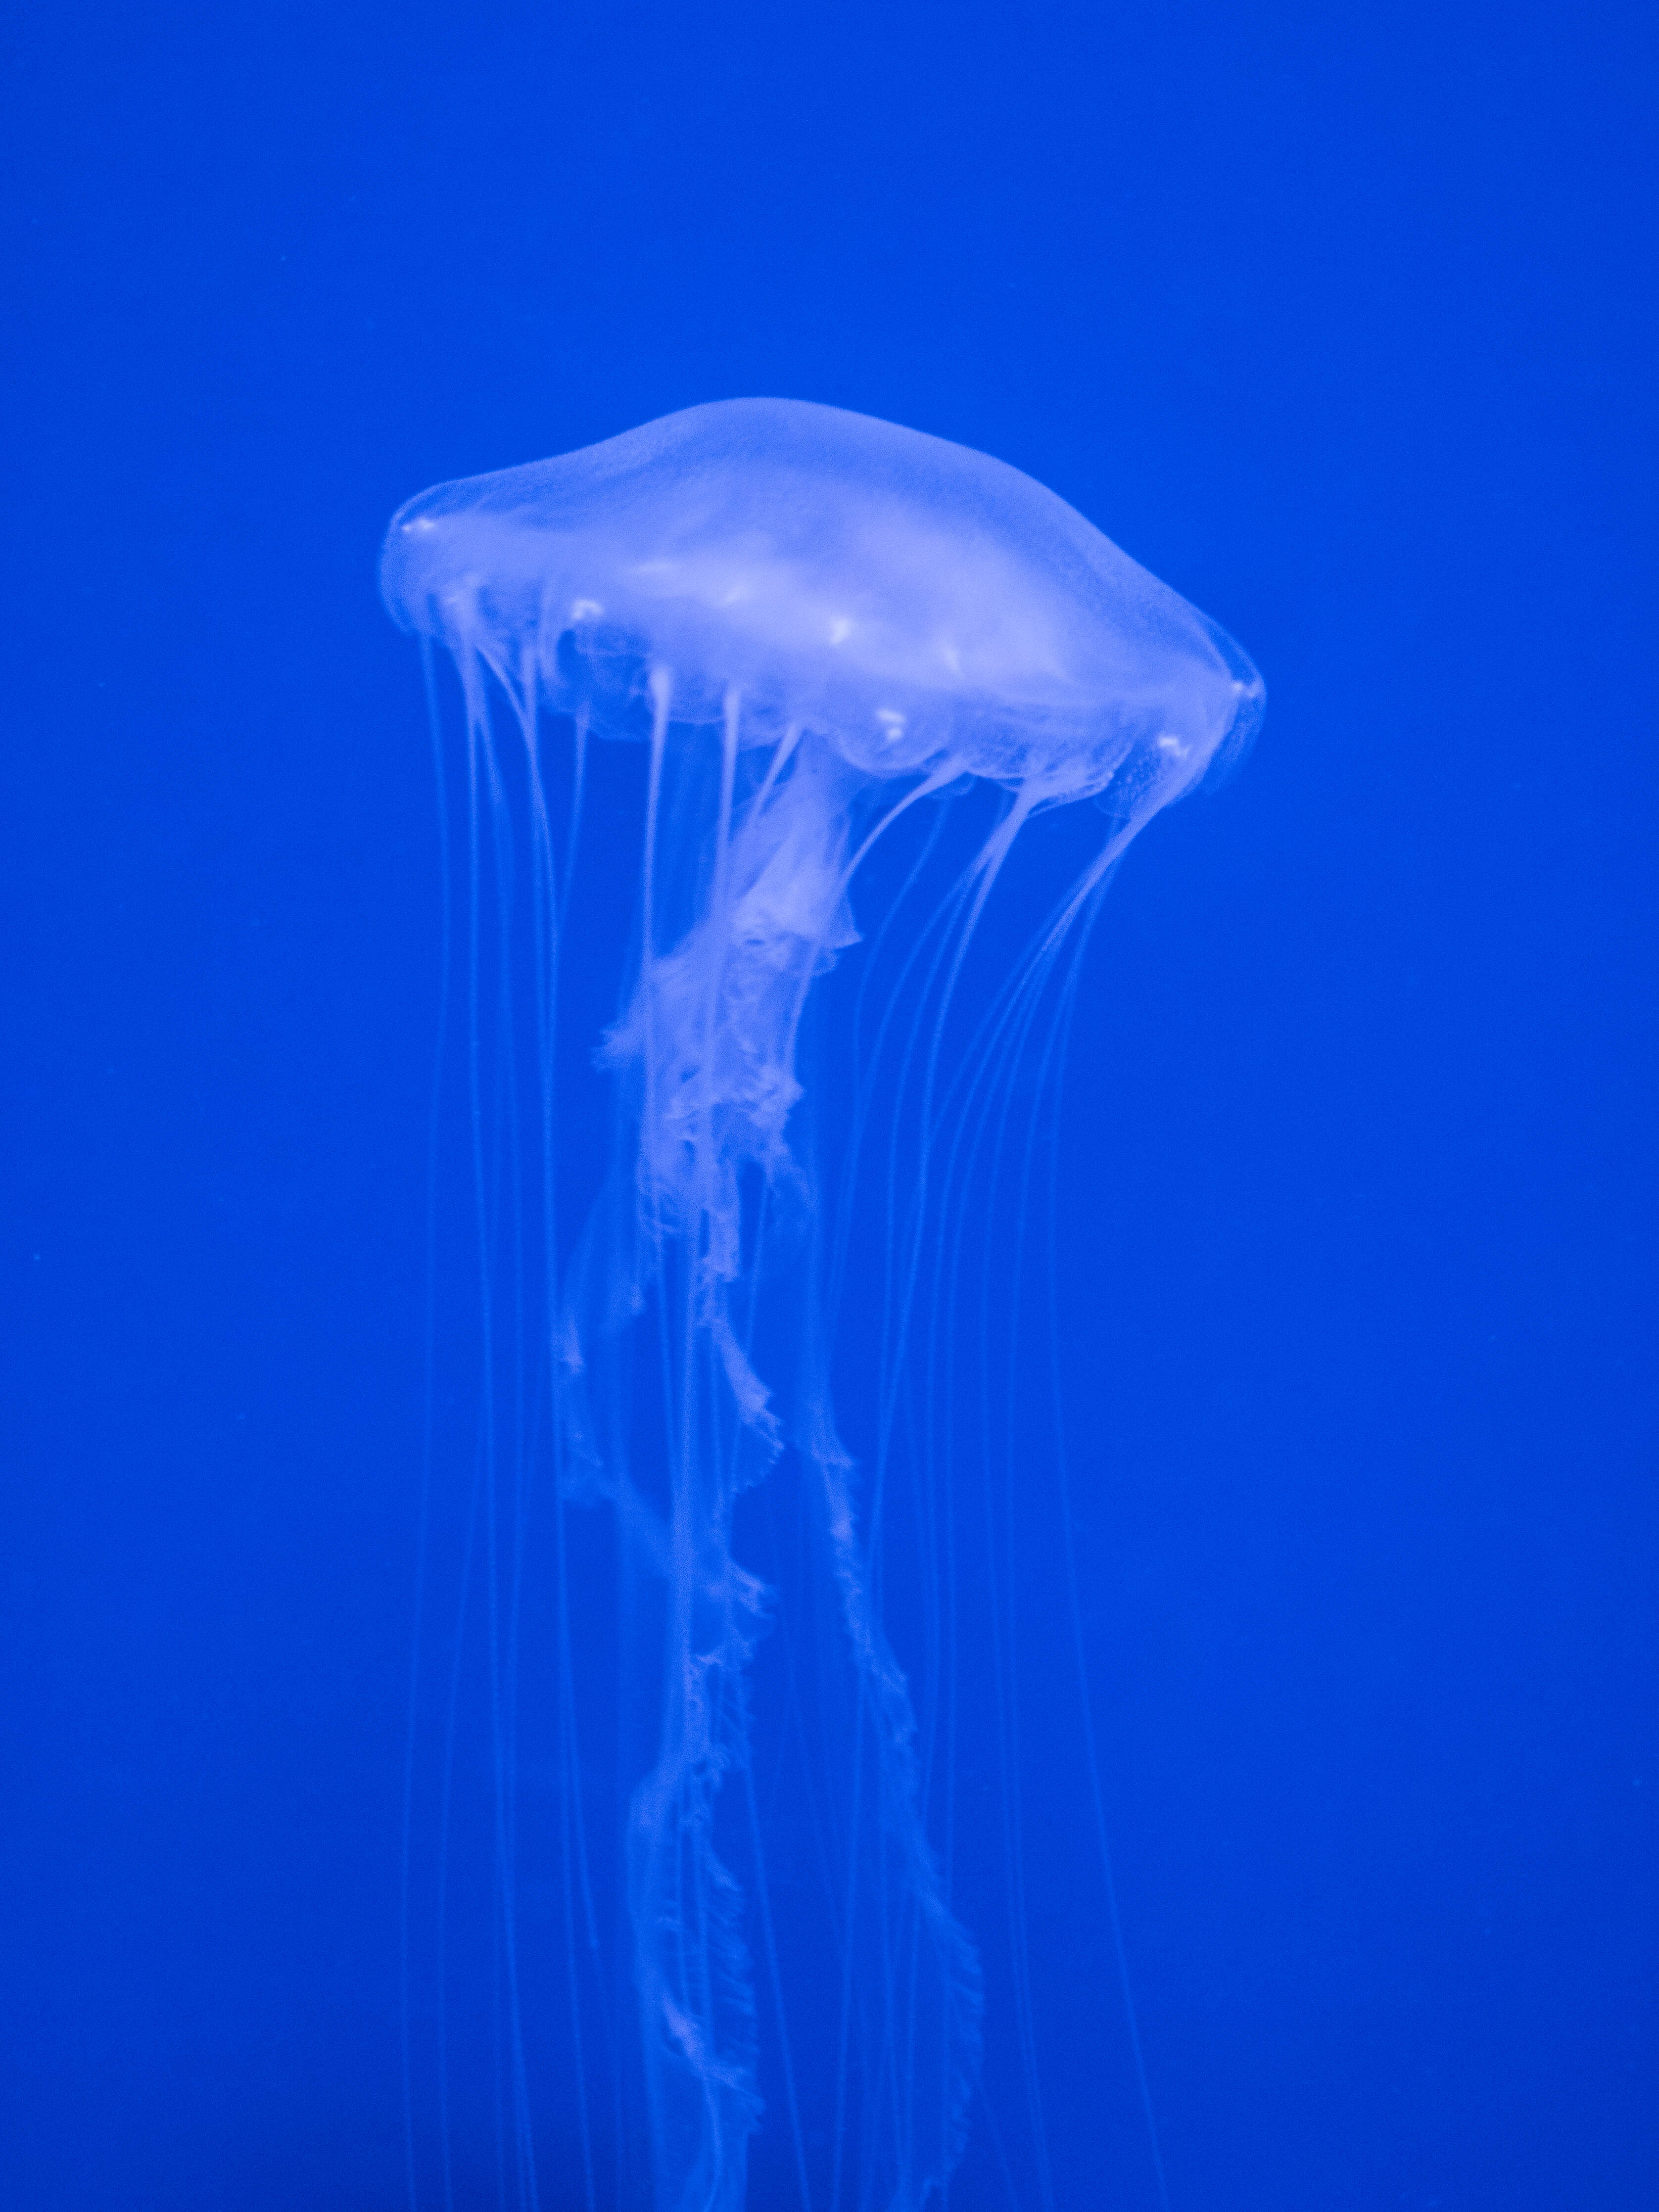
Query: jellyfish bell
pixel 814 622
pixel 911 600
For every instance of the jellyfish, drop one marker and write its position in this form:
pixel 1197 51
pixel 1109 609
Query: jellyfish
pixel 787 635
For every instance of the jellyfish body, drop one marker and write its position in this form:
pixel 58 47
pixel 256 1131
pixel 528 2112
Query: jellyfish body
pixel 813 621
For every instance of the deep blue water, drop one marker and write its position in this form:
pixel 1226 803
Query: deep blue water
pixel 1342 322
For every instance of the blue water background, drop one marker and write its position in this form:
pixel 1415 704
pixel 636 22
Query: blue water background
pixel 1339 319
